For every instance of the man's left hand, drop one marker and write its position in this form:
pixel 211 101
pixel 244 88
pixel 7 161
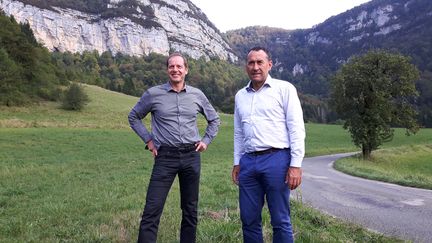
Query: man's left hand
pixel 293 177
pixel 200 146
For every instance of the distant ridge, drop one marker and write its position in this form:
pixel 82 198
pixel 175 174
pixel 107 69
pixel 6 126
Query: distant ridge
pixel 309 57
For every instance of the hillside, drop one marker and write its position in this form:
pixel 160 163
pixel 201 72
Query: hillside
pixel 30 73
pixel 106 109
pixel 310 57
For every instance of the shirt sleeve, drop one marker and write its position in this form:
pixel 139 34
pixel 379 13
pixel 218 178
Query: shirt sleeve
pixel 138 112
pixel 213 120
pixel 295 125
pixel 238 136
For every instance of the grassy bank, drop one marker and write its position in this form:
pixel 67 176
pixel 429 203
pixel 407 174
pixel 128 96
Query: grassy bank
pixel 408 165
pixel 106 109
pixel 406 160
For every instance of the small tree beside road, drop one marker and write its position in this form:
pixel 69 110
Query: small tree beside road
pixel 372 93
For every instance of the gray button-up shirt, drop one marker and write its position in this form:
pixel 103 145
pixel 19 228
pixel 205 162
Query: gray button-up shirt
pixel 174 116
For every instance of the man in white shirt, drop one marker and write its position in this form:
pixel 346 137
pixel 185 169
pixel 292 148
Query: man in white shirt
pixel 269 148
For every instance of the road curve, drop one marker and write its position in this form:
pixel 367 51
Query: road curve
pixel 403 212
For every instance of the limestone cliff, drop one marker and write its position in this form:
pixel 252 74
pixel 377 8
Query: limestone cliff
pixel 147 26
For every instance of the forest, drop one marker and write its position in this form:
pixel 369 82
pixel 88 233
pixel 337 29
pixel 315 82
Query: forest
pixel 29 72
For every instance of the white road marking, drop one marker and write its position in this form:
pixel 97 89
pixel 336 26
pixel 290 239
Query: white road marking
pixel 414 202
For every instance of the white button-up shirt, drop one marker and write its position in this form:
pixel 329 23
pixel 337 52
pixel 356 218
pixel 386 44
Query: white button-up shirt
pixel 270 117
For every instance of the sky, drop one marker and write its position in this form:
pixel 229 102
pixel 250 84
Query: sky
pixel 287 14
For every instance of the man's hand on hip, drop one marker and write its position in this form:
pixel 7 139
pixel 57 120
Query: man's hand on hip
pixel 200 146
pixel 152 148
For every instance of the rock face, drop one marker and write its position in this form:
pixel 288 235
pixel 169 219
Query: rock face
pixel 147 26
pixel 310 57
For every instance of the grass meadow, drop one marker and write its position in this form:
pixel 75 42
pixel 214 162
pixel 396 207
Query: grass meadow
pixel 82 177
pixel 409 165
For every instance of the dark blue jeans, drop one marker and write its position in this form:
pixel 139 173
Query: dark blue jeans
pixel 264 176
pixel 169 163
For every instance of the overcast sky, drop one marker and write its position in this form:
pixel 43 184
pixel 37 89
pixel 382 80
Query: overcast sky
pixel 287 14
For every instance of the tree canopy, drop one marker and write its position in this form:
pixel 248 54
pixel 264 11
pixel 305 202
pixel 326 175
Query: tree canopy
pixel 374 93
pixel 26 70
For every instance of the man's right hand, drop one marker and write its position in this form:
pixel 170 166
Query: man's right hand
pixel 235 174
pixel 152 148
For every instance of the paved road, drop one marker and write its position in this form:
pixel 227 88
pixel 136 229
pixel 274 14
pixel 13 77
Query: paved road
pixel 394 210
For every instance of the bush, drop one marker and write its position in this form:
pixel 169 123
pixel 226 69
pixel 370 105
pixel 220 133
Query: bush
pixel 75 98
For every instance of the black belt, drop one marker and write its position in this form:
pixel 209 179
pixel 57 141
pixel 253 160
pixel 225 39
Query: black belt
pixel 267 151
pixel 183 148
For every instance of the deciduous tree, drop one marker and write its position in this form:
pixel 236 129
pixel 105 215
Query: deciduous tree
pixel 374 93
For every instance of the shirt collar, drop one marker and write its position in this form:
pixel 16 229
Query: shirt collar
pixel 267 83
pixel 167 86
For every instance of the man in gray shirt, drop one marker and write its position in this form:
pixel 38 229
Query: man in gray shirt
pixel 176 144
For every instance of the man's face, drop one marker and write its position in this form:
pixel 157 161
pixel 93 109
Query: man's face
pixel 258 66
pixel 176 69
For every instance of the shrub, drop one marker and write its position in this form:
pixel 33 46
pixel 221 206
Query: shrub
pixel 75 98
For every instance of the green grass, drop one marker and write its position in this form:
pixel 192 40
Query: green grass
pixel 106 109
pixel 69 184
pixel 82 177
pixel 327 139
pixel 89 185
pixel 406 160
pixel 408 165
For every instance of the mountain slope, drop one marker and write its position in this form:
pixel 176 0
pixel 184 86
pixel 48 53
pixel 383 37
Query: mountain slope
pixel 134 27
pixel 309 57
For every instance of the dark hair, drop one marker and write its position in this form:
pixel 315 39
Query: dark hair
pixel 177 54
pixel 260 48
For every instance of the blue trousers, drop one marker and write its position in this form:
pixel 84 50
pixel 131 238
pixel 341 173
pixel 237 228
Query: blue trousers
pixel 169 163
pixel 262 177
